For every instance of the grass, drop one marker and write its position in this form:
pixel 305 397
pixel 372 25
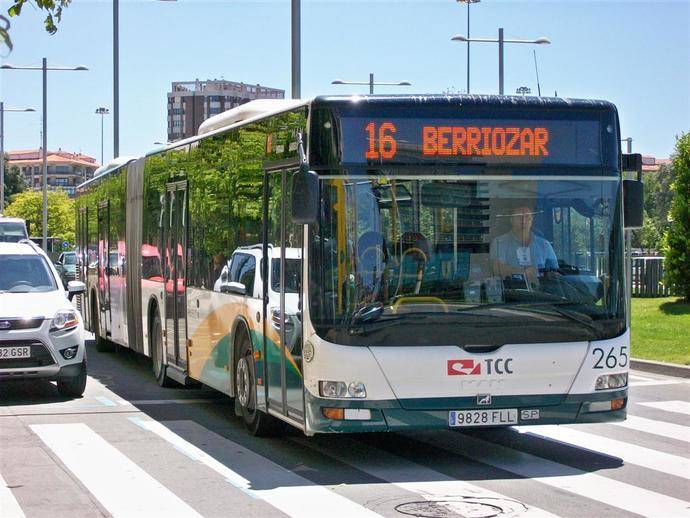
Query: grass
pixel 661 330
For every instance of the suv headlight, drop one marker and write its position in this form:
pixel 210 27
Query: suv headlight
pixel 64 319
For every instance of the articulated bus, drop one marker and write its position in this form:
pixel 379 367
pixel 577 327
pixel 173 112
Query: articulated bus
pixel 372 263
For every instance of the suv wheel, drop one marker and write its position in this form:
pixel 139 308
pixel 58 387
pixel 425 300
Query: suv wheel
pixel 73 386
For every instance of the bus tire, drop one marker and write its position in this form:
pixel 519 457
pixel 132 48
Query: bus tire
pixel 158 354
pixel 257 422
pixel 102 345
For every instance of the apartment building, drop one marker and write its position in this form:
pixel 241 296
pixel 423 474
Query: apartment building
pixel 65 170
pixel 192 102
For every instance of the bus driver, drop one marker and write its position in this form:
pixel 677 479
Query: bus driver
pixel 520 254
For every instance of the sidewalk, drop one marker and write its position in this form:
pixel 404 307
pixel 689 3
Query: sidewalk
pixel 668 369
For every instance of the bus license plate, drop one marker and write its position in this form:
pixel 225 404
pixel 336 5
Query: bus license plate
pixel 8 353
pixel 502 416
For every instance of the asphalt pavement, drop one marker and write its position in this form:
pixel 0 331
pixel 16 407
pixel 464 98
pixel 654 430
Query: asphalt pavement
pixel 130 448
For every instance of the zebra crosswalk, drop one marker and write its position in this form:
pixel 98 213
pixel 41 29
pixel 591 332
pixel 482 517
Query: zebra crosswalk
pixel 131 464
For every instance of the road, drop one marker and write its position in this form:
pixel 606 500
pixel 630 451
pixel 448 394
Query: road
pixel 129 448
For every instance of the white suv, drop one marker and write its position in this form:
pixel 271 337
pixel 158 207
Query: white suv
pixel 41 332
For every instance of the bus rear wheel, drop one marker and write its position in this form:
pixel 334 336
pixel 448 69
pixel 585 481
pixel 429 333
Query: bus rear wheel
pixel 257 422
pixel 158 353
pixel 102 345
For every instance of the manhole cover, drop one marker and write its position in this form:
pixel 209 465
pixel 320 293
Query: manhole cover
pixel 461 507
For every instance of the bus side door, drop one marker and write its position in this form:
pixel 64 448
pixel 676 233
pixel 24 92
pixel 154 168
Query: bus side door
pixel 174 275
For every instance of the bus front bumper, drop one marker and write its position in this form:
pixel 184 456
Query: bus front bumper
pixel 391 415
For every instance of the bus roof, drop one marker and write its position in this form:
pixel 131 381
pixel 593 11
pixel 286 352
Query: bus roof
pixel 498 101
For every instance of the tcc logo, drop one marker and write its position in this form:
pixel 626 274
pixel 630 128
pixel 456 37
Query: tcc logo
pixel 463 367
pixel 472 367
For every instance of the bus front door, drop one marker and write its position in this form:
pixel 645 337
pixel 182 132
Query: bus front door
pixel 174 275
pixel 283 297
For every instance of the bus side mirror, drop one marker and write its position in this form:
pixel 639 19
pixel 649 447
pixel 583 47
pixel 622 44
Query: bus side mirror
pixel 305 197
pixel 633 204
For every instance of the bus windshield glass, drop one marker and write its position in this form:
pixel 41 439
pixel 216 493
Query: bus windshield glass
pixel 486 260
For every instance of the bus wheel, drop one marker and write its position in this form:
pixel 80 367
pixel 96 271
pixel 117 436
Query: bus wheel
pixel 102 345
pixel 256 421
pixel 158 353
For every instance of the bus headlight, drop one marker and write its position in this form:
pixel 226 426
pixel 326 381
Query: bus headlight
pixel 332 389
pixel 340 389
pixel 357 389
pixel 611 381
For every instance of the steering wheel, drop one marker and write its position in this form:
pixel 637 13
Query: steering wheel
pixel 420 269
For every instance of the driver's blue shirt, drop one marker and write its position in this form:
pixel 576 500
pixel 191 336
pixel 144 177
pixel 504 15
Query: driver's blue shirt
pixel 509 250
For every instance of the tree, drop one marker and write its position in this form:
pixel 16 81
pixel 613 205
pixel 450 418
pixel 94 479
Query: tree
pixel 14 181
pixel 677 238
pixel 657 204
pixel 28 206
pixel 53 8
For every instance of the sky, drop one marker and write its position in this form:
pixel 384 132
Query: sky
pixel 633 53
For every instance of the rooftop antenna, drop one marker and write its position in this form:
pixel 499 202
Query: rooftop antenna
pixel 536 70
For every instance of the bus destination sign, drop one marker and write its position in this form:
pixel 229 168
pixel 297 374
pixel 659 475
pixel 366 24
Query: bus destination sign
pixel 519 142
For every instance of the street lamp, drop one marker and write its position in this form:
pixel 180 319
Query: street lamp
pixel 44 68
pixel 523 90
pixel 539 41
pixel 371 83
pixel 102 112
pixel 2 148
pixel 468 2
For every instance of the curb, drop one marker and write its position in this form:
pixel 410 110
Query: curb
pixel 668 369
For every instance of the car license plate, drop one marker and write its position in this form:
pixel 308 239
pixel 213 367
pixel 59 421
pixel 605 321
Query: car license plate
pixel 497 417
pixel 7 353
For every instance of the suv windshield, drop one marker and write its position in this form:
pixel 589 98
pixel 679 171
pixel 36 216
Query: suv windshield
pixel 12 231
pixel 490 261
pixel 24 274
pixel 69 258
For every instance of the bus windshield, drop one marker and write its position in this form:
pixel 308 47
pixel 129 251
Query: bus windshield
pixel 487 260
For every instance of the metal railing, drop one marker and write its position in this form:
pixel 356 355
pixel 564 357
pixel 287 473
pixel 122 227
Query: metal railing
pixel 648 277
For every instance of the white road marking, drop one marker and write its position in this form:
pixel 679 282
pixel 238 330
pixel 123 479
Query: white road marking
pixel 680 407
pixel 629 453
pixel 169 401
pixel 105 401
pixel 9 507
pixel 418 479
pixel 121 486
pixel 589 485
pixel 289 492
pixel 652 383
pixel 642 424
pixel 639 378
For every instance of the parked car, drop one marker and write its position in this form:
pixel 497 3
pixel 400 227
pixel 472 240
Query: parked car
pixel 66 266
pixel 41 331
pixel 12 230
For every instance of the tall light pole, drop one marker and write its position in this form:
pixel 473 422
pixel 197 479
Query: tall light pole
pixel 44 68
pixel 501 41
pixel 2 148
pixel 371 83
pixel 296 50
pixel 102 112
pixel 116 79
pixel 468 2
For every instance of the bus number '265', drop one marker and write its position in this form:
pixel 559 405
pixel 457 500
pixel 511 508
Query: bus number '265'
pixel 609 359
